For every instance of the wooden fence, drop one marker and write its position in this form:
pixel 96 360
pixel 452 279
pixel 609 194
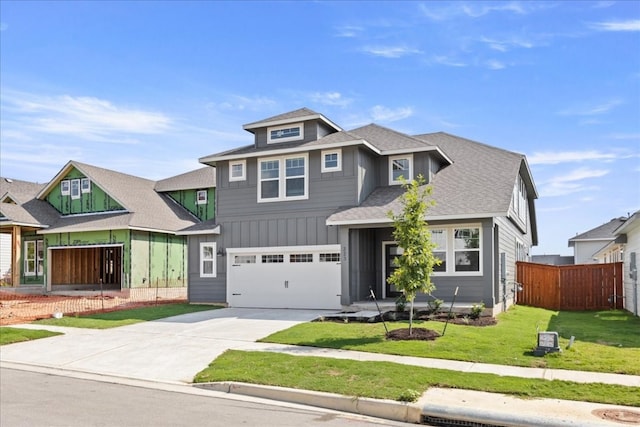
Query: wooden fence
pixel 571 287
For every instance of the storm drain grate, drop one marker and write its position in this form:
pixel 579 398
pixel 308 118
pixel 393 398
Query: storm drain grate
pixel 618 415
pixel 448 422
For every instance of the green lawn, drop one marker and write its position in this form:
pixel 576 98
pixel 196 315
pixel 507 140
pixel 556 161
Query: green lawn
pixel 114 319
pixel 11 335
pixel 605 341
pixel 385 380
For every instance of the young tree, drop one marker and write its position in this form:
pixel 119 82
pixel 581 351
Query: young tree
pixel 415 265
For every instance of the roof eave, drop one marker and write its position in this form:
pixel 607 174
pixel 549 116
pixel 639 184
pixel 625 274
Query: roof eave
pixel 257 125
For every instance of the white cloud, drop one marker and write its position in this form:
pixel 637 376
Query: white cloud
pixel 557 157
pixel 330 98
pixel 88 117
pixel 570 182
pixel 507 44
pixel 493 64
pixel 390 51
pixel 591 110
pixel 629 25
pixel 384 114
pixel 475 10
pixel 446 60
pixel 349 31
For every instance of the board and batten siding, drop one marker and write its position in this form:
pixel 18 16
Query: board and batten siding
pixel 205 289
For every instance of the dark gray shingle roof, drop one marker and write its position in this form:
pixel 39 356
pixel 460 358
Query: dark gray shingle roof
pixel 194 180
pixel 479 183
pixel 602 232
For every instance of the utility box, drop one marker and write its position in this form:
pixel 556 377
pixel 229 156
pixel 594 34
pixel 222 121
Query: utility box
pixel 547 343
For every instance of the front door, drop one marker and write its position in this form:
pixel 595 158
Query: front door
pixel 391 251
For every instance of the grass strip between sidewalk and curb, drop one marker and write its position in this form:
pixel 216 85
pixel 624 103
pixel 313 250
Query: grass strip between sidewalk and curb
pixel 387 380
pixel 113 319
pixel 9 335
pixel 605 341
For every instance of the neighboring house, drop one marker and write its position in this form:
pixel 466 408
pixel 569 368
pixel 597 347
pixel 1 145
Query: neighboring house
pixel 91 228
pixel 598 245
pixel 555 259
pixel 629 234
pixel 303 216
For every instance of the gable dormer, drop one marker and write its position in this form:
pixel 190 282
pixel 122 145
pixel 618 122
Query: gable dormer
pixel 292 128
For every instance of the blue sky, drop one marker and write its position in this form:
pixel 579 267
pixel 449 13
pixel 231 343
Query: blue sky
pixel 147 88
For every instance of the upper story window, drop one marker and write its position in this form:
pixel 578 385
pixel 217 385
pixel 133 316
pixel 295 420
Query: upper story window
pixel 65 187
pixel 400 166
pixel 291 132
pixel 331 160
pixel 75 188
pixel 85 185
pixel 237 170
pixel 283 178
pixel 201 197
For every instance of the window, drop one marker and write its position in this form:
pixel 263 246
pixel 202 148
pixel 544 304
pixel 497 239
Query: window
pixel 207 259
pixel 272 259
pixel 330 257
pixel 85 185
pixel 439 238
pixel 237 170
pixel 331 161
pixel 201 197
pixel 285 133
pixel 75 188
pixel 34 258
pixel 275 186
pixel 521 251
pixel 466 243
pixel 294 258
pixel 65 187
pixel 400 166
pixel 244 259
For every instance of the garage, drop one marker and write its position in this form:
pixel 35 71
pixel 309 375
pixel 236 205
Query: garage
pixel 284 277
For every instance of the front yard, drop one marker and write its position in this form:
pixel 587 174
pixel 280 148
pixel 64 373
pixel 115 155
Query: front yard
pixel 605 341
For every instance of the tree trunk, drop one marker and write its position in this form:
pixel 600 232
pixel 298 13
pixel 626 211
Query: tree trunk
pixel 411 317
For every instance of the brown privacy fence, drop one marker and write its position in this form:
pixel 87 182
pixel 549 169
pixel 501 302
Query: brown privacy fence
pixel 571 287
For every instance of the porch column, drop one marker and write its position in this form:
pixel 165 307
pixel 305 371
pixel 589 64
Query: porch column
pixel 343 238
pixel 16 255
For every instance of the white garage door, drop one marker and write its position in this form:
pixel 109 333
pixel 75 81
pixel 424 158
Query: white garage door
pixel 284 277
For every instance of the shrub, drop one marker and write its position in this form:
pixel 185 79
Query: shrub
pixel 476 310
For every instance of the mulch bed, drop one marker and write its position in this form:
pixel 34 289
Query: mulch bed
pixel 422 334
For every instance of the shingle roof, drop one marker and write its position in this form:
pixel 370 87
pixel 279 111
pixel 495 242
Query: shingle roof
pixel 479 183
pixel 602 232
pixel 194 180
pixel 17 189
pixel 290 117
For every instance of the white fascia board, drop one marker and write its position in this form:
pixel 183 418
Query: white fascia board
pixel 416 150
pixel 73 229
pixel 259 125
pixel 535 194
pixel 277 249
pixel 428 218
pixel 22 224
pixel 56 179
pixel 214 230
pixel 285 151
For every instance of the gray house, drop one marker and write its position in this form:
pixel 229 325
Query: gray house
pixel 302 220
pixel 599 244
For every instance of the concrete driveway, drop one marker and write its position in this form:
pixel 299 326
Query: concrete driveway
pixel 168 350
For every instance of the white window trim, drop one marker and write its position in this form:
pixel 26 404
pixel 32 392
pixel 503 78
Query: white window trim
pixel 87 182
pixel 213 260
pixel 77 182
pixel 288 126
pixel 38 248
pixel 282 181
pixel 403 156
pixel 65 187
pixel 242 163
pixel 198 200
pixel 337 168
pixel 451 250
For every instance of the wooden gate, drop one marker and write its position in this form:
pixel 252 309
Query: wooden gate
pixel 571 287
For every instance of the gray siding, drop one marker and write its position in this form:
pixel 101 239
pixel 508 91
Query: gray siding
pixel 367 178
pixel 207 289
pixel 312 131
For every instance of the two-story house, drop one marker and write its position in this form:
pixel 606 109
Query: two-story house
pixel 91 228
pixel 302 219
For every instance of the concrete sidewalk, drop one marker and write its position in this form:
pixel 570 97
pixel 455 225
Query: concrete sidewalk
pixel 173 350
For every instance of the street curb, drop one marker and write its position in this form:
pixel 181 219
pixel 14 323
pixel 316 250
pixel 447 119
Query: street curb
pixel 460 414
pixel 380 408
